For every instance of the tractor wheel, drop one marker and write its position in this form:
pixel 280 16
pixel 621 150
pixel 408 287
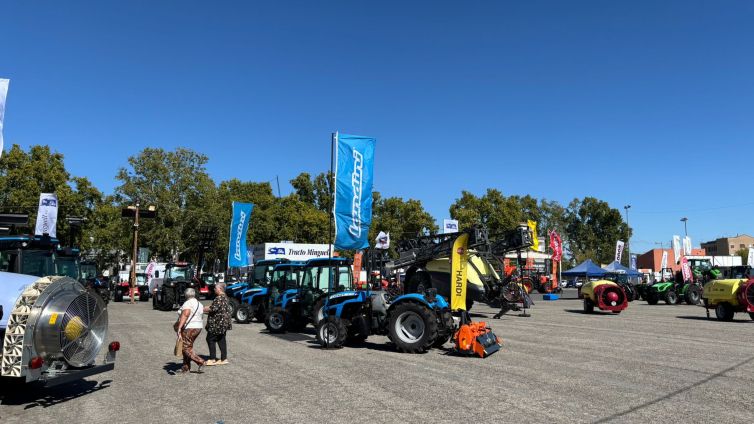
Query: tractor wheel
pixel 332 332
pixel 652 298
pixel 445 333
pixel 234 305
pixel 243 314
pixel 469 304
pixel 277 320
pixel 541 288
pixel 693 295
pixel 260 312
pixel 318 311
pixel 751 315
pixel 412 327
pixel 166 300
pixel 724 312
pixel 118 297
pixel 588 306
pixel 671 298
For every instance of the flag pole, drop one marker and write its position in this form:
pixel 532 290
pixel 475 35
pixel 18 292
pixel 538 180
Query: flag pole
pixel 331 181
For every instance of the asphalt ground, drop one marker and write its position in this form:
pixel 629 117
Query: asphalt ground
pixel 649 364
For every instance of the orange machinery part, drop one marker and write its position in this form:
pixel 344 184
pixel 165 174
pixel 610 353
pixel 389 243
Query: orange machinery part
pixel 466 338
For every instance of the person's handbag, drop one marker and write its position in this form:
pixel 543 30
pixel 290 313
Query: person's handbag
pixel 178 350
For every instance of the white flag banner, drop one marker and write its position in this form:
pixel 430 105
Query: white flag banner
pixel 664 262
pixel 47 215
pixel 382 241
pixel 687 246
pixel 3 95
pixel 449 226
pixel 750 259
pixel 677 248
pixel 619 250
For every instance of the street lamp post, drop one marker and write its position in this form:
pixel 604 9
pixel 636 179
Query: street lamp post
pixel 685 230
pixel 628 242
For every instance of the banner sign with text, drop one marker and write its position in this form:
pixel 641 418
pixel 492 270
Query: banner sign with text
pixel 664 262
pixel 534 238
pixel 687 246
pixel 685 269
pixel 449 226
pixel 556 244
pixel 354 164
pixel 458 264
pixel 619 245
pixel 633 261
pixel 750 259
pixel 47 215
pixel 239 226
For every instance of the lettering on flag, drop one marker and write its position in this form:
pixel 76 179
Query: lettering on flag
pixel 619 245
pixel 353 190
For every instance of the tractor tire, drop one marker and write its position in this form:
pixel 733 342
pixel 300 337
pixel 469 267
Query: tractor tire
pixel 671 298
pixel 143 296
pixel 588 306
pixel 693 295
pixel 243 314
pixel 277 320
pixel 652 298
pixel 541 289
pixel 412 327
pixel 118 297
pixel 724 312
pixel 445 332
pixel 332 332
pixel 234 305
pixel 751 315
pixel 318 311
pixel 260 312
pixel 168 300
pixel 469 304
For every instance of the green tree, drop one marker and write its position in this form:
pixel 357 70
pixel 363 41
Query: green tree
pixel 24 175
pixel 494 210
pixel 593 229
pixel 744 254
pixel 401 218
pixel 177 183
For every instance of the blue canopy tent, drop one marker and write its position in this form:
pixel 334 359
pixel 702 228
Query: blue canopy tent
pixel 585 269
pixel 617 268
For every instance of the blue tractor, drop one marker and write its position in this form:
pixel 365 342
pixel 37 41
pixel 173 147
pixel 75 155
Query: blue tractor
pixel 414 322
pixel 260 277
pixel 299 303
pixel 255 300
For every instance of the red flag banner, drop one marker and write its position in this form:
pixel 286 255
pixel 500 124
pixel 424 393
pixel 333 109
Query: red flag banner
pixel 556 245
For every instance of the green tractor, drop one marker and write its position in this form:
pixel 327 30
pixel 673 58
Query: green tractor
pixel 674 290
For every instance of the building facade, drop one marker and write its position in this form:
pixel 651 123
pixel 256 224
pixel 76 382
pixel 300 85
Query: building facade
pixel 727 246
pixel 653 259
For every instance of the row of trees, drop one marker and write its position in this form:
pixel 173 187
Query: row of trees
pixel 188 200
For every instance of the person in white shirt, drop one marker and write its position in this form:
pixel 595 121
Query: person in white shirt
pixel 189 326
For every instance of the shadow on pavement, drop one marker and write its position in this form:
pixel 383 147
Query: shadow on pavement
pixel 172 368
pixel 701 318
pixel 675 393
pixel 581 311
pixel 36 395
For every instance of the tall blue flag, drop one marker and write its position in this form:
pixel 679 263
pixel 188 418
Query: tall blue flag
pixel 239 225
pixel 353 190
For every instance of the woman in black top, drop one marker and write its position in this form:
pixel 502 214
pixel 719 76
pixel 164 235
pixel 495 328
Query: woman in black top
pixel 218 323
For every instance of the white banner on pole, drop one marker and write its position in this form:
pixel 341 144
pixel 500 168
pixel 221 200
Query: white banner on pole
pixel 449 226
pixel 619 250
pixel 664 262
pixel 47 215
pixel 677 248
pixel 687 246
pixel 3 95
pixel 383 241
pixel 750 259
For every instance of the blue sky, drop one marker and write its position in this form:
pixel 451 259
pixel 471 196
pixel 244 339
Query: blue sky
pixel 637 102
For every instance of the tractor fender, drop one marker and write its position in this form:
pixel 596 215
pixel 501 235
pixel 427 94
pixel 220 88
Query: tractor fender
pixel 439 301
pixel 250 295
pixel 335 303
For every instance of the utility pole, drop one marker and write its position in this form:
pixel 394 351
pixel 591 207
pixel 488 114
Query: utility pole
pixel 136 212
pixel 685 230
